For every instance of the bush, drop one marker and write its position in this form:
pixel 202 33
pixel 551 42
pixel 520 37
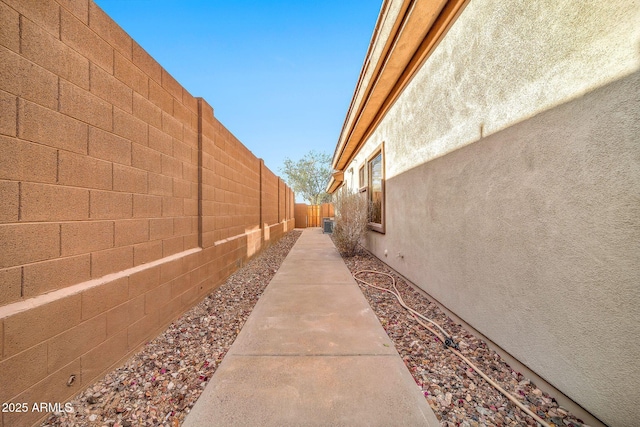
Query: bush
pixel 351 221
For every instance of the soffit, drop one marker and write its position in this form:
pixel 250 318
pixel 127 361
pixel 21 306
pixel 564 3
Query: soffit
pixel 406 32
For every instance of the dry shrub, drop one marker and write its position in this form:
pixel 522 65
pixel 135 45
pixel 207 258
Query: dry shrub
pixel 351 221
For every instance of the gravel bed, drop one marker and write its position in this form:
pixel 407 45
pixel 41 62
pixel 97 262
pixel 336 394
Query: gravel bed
pixel 456 393
pixel 159 385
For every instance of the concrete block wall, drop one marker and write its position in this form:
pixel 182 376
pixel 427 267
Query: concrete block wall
pixel 125 201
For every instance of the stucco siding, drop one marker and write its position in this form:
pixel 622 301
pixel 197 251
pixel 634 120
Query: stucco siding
pixel 503 62
pixel 513 189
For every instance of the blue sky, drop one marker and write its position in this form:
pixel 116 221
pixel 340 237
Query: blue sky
pixel 279 74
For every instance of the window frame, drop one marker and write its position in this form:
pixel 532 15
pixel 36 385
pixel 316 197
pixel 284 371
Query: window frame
pixel 362 177
pixel 379 151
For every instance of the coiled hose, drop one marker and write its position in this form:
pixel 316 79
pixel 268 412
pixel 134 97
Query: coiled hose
pixel 444 338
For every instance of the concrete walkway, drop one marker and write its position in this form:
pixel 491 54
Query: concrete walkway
pixel 312 353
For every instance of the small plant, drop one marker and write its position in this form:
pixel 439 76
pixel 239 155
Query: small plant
pixel 352 217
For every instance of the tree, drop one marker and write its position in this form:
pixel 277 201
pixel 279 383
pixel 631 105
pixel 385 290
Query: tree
pixel 309 176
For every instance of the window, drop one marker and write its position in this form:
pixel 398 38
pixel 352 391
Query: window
pixel 361 177
pixel 376 191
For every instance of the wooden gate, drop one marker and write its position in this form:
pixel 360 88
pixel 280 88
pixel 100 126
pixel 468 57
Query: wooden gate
pixel 311 215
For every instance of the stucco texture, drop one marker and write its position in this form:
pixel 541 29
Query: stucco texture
pixel 513 189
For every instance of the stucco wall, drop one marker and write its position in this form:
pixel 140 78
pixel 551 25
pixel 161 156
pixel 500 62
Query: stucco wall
pixel 513 189
pixel 123 200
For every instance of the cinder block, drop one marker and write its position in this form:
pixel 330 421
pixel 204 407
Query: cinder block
pixel 9 117
pixel 190 101
pixel 81 38
pixel 171 85
pixel 172 206
pixel 49 52
pixel 39 124
pixel 194 123
pixel 46 276
pixel 171 166
pixel 130 127
pixel 110 89
pixel 182 226
pixel 84 171
pixel 23 160
pixel 182 151
pixel 28 328
pixel 110 205
pixel 45 13
pixel 86 236
pixel 111 261
pixel 172 246
pixel 129 74
pixel 160 97
pixel 160 185
pixel 104 297
pixel 189 297
pixel 78 340
pixel 191 140
pixel 172 126
pixel 190 241
pixel 145 206
pixel 209 238
pixel 9 194
pixel 143 281
pixel 126 178
pixel 147 252
pixel 120 317
pixel 147 111
pixel 170 270
pixel 143 329
pixel 25 243
pixel 27 80
pixel 146 158
pixel 131 231
pixel 180 285
pixel 19 372
pixel 160 141
pixel 206 114
pixel 157 298
pixel 190 172
pixel 82 105
pixel 53 388
pixel 78 8
pixel 9 28
pixel 99 359
pixel 160 228
pixel 106 28
pixel 10 286
pixel 44 202
pixel 107 146
pixel 146 63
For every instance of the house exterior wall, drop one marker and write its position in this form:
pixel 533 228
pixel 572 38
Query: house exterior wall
pixel 512 166
pixel 124 200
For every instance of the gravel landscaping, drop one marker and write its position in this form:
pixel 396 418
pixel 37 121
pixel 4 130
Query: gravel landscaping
pixel 457 394
pixel 161 383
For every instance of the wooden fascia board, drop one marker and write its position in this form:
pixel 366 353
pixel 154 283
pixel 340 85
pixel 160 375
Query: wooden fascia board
pixel 337 178
pixel 388 84
pixel 378 63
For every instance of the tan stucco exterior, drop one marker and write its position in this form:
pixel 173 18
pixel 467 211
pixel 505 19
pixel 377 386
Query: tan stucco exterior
pixel 512 165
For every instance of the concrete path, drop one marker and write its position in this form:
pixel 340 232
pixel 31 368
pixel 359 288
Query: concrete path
pixel 312 353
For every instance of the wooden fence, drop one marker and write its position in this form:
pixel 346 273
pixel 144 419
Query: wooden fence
pixel 312 215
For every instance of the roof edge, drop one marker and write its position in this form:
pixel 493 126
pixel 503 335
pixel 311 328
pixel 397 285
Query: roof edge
pixel 407 32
